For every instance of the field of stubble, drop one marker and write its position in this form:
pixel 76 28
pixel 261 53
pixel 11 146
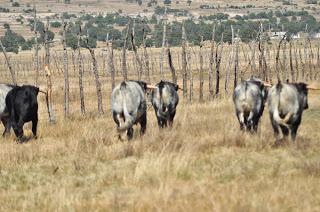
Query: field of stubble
pixel 203 163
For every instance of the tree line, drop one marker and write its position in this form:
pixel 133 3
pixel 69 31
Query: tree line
pixel 113 27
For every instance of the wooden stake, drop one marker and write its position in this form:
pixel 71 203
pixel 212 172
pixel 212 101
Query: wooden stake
pixel 81 72
pixel 66 71
pixel 184 62
pixel 201 71
pixel 52 118
pixel 13 77
pixel 211 95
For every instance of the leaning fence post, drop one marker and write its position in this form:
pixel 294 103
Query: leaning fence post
pixel 96 76
pixel 8 63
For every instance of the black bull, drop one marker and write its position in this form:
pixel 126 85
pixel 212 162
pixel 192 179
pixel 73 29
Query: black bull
pixel 22 107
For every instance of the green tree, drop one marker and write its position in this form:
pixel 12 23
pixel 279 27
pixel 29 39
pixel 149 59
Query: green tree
pixel 12 41
pixel 167 2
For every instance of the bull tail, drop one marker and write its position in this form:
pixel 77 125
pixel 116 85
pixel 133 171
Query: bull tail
pixel 128 118
pixel 276 113
pixel 245 89
pixel 162 112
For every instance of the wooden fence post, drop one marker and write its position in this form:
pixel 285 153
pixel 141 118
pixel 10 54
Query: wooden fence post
pixel 163 42
pixel 184 62
pixel 201 71
pixel 172 69
pixel 123 59
pixel 36 48
pixel 236 62
pixel 218 62
pixel 97 80
pixel 66 71
pixel 134 48
pixel 111 64
pixel 211 95
pixel 81 72
pixel 52 118
pixel 145 54
pixel 8 64
pixel 226 83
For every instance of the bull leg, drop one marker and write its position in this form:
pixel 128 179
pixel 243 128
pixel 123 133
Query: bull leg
pixel 7 125
pixel 116 118
pixel 294 130
pixel 130 133
pixel 34 126
pixel 285 131
pixel 255 123
pixel 143 124
pixel 241 120
pixel 18 130
pixel 275 127
pixel 171 117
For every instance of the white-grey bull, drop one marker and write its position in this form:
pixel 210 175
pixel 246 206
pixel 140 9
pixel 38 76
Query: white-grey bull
pixel 249 98
pixel 128 103
pixel 4 114
pixel 164 100
pixel 286 102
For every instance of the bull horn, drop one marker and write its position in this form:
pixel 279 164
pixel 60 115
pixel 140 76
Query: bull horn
pixel 309 87
pixel 267 84
pixel 151 87
pixel 42 91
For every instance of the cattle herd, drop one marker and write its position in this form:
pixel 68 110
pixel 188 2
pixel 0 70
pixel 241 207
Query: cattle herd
pixel 286 103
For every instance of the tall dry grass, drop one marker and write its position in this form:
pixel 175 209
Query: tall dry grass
pixel 203 163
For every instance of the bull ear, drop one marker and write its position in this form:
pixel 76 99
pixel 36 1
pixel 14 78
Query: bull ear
pixel 176 87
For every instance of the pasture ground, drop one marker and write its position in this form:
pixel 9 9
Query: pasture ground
pixel 204 163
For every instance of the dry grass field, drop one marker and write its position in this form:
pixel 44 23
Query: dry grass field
pixel 203 163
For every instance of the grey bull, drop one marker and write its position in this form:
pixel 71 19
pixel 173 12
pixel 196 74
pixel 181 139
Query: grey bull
pixel 286 102
pixel 128 103
pixel 165 99
pixel 4 113
pixel 249 98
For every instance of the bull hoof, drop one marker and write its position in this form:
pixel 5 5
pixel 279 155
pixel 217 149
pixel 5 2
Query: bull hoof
pixel 22 139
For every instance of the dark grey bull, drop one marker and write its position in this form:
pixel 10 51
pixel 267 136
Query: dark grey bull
pixel 128 103
pixel 4 114
pixel 286 102
pixel 165 99
pixel 22 107
pixel 249 98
